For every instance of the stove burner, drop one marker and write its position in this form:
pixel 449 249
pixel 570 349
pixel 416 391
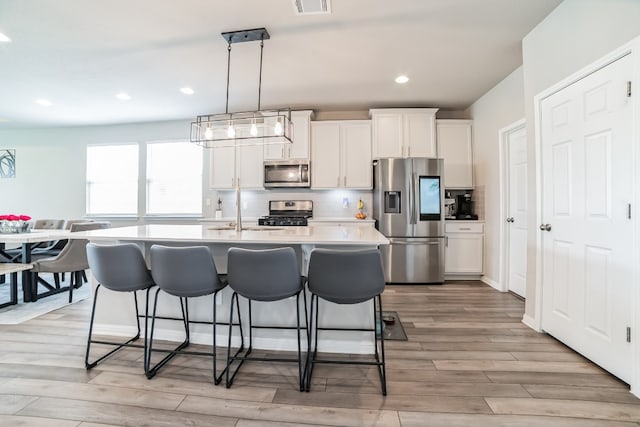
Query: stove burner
pixel 281 221
pixel 287 213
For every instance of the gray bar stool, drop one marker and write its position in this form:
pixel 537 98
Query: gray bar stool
pixel 184 272
pixel 264 275
pixel 346 277
pixel 119 268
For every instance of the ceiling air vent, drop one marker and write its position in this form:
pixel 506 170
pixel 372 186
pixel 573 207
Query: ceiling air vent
pixel 311 7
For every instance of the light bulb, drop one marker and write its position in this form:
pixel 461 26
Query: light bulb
pixel 231 131
pixel 208 134
pixel 277 129
pixel 254 129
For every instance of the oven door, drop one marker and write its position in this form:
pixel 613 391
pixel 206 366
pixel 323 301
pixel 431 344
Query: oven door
pixel 286 174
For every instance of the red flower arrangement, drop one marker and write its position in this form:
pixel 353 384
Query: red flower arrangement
pixel 12 217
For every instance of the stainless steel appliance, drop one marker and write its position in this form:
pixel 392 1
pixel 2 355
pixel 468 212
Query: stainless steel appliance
pixel 288 213
pixel 286 174
pixel 408 206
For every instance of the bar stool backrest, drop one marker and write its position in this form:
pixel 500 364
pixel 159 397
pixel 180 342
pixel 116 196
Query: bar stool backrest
pixel 119 267
pixel 264 275
pixel 346 277
pixel 185 271
pixel 49 224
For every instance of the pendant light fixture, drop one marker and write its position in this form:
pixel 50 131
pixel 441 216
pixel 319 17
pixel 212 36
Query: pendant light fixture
pixel 260 127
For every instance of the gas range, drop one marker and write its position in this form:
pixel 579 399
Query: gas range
pixel 287 213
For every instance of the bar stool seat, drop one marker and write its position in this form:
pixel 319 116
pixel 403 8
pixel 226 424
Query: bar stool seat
pixel 346 277
pixel 265 276
pixel 184 272
pixel 118 268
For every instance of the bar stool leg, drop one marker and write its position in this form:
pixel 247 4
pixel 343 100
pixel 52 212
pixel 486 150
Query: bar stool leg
pixel 382 371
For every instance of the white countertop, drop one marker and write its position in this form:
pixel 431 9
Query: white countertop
pixel 343 219
pixel 322 235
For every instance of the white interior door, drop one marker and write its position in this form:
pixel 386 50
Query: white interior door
pixel 516 220
pixel 587 172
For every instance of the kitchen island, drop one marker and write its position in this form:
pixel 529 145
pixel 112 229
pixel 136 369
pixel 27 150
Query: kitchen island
pixel 114 314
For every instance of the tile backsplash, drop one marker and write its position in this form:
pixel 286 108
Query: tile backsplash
pixel 326 203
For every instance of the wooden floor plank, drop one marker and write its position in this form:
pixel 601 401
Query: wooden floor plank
pixel 468 361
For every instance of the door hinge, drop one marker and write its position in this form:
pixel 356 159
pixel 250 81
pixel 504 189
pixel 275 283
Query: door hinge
pixel 629 89
pixel 628 334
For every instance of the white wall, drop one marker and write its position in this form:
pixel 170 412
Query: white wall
pixel 51 167
pixel 501 106
pixel 50 164
pixel 575 34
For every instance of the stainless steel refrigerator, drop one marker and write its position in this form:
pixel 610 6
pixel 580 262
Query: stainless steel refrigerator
pixel 408 206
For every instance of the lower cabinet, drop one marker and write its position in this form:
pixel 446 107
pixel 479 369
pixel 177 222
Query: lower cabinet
pixel 464 248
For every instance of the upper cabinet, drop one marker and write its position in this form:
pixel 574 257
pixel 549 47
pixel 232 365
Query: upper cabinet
pixel 404 132
pixel 299 149
pixel 454 146
pixel 224 174
pixel 341 154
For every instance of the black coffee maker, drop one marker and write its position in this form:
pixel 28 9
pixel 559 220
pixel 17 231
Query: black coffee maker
pixel 464 207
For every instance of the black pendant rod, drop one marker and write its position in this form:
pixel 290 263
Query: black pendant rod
pixel 226 108
pixel 260 78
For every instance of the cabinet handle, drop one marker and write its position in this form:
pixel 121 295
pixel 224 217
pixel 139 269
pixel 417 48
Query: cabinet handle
pixel 446 241
pixel 345 180
pixel 409 151
pixel 338 182
pixel 465 228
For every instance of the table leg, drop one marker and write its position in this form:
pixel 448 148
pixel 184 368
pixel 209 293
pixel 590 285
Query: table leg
pixel 28 286
pixel 2 278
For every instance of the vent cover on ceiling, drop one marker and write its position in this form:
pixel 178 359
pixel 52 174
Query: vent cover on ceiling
pixel 311 7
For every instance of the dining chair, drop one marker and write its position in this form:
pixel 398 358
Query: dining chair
pixel 185 273
pixel 264 276
pixel 346 278
pixel 71 259
pixel 118 268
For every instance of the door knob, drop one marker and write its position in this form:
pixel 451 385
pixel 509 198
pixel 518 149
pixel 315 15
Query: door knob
pixel 545 227
pixel 510 219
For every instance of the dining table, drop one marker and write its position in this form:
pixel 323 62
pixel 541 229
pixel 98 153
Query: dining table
pixel 28 241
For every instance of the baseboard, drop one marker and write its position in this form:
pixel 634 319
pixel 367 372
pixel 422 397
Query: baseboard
pixel 531 322
pixel 330 345
pixel 495 285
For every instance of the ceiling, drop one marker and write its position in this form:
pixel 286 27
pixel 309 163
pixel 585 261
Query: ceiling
pixel 79 54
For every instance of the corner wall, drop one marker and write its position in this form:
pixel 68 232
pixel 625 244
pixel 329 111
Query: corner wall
pixel 501 106
pixel 575 34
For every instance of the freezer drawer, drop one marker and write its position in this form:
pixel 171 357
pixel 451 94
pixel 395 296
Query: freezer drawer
pixel 414 260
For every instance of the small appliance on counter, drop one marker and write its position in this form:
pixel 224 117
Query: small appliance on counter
pixel 288 213
pixel 464 207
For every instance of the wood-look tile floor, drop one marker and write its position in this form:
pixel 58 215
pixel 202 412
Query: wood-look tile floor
pixel 469 361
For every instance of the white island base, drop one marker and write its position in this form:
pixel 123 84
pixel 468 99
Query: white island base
pixel 115 314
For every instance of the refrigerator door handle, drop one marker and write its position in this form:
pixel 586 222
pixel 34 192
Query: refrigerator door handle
pixel 412 195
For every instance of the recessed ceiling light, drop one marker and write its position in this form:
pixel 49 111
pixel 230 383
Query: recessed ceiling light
pixel 402 79
pixel 4 38
pixel 44 102
pixel 186 90
pixel 123 96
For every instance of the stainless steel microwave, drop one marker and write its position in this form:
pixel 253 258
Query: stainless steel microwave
pixel 286 174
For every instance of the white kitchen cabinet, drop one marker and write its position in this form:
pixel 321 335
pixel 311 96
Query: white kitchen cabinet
pixel 250 167
pixel 455 147
pixel 341 154
pixel 404 132
pixel 464 248
pixel 299 148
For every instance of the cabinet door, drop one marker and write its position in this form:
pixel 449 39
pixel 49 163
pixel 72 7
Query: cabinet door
pixel 222 168
pixel 274 152
pixel 419 135
pixel 387 135
pixel 299 150
pixel 251 167
pixel 357 170
pixel 463 253
pixel 454 146
pixel 325 155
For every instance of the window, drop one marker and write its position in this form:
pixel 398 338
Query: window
pixel 174 178
pixel 112 179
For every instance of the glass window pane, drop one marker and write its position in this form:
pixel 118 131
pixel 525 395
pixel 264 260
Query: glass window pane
pixel 174 178
pixel 112 179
